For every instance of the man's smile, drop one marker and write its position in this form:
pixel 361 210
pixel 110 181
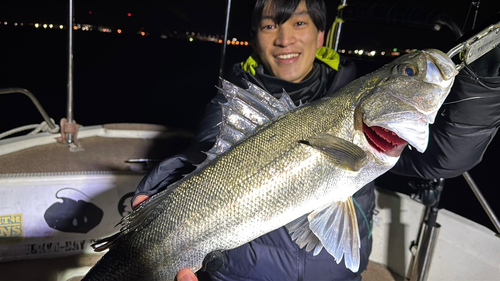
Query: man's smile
pixel 287 56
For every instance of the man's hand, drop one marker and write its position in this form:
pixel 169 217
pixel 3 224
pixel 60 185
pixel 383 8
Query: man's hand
pixel 186 275
pixel 138 200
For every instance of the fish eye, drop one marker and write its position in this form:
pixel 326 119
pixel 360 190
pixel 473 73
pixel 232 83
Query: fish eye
pixel 407 70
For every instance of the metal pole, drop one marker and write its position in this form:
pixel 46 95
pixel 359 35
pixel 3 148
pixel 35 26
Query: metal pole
pixel 338 30
pixel 69 136
pixel 423 258
pixel 482 200
pixel 423 249
pixel 224 43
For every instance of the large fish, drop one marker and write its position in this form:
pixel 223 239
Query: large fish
pixel 275 165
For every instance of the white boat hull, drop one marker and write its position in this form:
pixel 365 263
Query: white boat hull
pixel 35 224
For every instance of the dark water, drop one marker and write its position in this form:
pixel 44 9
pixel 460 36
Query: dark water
pixel 116 78
pixel 163 81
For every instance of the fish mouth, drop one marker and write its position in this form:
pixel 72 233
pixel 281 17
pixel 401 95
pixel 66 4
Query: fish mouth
pixel 384 140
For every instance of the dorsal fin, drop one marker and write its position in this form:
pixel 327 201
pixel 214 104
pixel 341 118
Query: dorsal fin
pixel 245 111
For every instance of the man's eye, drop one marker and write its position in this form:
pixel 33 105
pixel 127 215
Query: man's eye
pixel 269 26
pixel 300 23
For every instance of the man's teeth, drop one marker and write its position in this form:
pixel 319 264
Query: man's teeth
pixel 287 56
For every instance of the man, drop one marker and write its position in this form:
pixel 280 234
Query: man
pixel 289 54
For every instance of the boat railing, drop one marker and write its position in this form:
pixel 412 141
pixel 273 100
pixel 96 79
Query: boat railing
pixel 52 127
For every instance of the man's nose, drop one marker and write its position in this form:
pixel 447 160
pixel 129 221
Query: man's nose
pixel 285 36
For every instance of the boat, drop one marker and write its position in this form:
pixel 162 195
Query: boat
pixel 65 188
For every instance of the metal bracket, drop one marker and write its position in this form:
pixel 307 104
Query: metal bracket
pixel 71 130
pixel 476 46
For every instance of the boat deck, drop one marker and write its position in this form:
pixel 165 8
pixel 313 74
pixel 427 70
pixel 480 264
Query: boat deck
pixel 106 152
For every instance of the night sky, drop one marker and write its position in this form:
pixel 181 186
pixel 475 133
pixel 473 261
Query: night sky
pixel 205 16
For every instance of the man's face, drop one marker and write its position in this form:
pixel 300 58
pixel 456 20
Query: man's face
pixel 288 50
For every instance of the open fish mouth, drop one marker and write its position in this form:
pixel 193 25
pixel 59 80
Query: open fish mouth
pixel 384 140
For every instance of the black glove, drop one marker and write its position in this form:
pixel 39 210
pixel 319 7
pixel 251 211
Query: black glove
pixel 167 172
pixel 214 261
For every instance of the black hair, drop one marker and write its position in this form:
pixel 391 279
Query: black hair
pixel 283 10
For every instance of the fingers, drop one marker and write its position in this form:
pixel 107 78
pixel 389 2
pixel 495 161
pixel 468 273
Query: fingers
pixel 186 275
pixel 138 200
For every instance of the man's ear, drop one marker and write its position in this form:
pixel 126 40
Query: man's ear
pixel 321 39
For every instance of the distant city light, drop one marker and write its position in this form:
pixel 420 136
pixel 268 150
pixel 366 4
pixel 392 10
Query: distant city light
pixel 191 36
pixel 129 14
pixel 86 27
pixel 90 12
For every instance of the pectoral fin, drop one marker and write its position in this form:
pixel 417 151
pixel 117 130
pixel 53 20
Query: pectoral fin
pixel 334 228
pixel 343 153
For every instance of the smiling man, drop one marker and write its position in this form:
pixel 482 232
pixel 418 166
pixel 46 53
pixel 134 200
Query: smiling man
pixel 288 49
pixel 289 55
